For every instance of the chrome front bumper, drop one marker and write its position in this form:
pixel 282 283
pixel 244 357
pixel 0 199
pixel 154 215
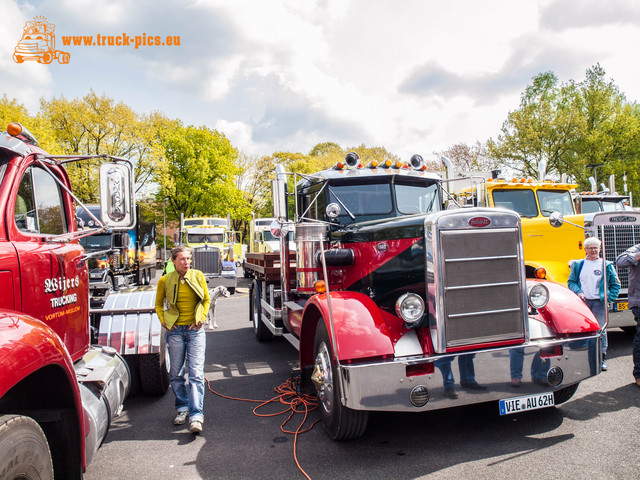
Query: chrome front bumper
pixel 385 386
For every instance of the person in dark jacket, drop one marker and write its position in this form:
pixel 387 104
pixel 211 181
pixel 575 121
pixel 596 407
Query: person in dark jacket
pixel 585 281
pixel 630 259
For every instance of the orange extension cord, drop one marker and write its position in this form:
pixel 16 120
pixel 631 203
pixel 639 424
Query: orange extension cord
pixel 296 403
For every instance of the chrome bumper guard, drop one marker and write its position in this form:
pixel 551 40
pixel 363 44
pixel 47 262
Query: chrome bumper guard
pixel 385 386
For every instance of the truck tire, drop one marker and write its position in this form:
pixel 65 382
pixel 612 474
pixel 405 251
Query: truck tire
pixel 564 394
pixel 154 371
pixel 24 451
pixel 260 330
pixel 340 422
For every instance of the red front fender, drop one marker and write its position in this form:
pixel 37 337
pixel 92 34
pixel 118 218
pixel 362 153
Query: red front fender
pixel 566 313
pixel 26 345
pixel 360 331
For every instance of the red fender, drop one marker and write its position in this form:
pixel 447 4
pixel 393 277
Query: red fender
pixel 566 313
pixel 26 345
pixel 360 331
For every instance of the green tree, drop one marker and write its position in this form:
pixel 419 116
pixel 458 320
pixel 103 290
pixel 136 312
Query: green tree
pixel 574 127
pixel 611 126
pixel 97 125
pixel 198 174
pixel 544 128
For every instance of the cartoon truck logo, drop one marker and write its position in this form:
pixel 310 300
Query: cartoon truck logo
pixel 38 43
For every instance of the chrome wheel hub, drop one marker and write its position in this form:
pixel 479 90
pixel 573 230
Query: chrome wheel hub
pixel 322 377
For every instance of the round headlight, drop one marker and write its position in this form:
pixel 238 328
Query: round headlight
pixel 538 296
pixel 332 210
pixel 410 307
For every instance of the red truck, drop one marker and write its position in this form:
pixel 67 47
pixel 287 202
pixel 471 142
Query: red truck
pixel 391 286
pixel 59 389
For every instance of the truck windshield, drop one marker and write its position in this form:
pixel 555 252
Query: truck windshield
pixel 555 201
pixel 96 242
pixel 522 201
pixel 362 199
pixel 202 238
pixel 412 199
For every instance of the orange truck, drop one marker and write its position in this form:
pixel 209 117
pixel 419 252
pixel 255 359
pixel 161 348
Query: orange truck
pixel 38 43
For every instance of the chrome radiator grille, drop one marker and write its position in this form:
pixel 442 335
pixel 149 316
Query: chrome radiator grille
pixel 207 260
pixel 617 239
pixel 479 277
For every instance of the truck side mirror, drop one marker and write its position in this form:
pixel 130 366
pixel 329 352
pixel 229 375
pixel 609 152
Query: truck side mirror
pixel 556 219
pixel 117 205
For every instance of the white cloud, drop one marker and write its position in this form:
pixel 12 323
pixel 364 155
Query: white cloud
pixel 412 76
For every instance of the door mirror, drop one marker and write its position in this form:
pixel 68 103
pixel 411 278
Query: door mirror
pixel 117 205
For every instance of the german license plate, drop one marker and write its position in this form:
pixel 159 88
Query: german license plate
pixel 529 402
pixel 618 306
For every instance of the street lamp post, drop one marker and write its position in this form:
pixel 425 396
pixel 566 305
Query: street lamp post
pixel 164 225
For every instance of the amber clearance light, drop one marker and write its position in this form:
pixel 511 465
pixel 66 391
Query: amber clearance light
pixel 14 129
pixel 540 273
pixel 320 286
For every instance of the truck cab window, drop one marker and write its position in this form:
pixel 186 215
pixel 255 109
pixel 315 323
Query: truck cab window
pixel 39 206
pixel 522 201
pixel 555 201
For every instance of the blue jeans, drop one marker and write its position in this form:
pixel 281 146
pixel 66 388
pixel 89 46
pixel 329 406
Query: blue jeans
pixel 465 365
pixel 597 309
pixel 636 343
pixel 539 367
pixel 189 345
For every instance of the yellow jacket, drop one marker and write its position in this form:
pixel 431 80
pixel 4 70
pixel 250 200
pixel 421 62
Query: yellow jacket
pixel 168 289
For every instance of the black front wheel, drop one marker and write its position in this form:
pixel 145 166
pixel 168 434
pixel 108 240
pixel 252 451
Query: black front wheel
pixel 340 422
pixel 24 451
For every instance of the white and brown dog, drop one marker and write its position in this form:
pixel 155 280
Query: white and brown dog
pixel 215 293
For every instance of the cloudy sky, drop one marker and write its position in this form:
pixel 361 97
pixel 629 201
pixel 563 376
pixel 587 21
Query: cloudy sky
pixel 414 76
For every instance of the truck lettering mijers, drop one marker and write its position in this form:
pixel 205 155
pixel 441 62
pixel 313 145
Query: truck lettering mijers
pixel 59 390
pixel 390 290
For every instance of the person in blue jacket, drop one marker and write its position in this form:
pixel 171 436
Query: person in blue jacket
pixel 585 281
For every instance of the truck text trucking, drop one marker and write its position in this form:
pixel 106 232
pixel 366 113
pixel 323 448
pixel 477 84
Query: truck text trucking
pixel 59 390
pixel 389 291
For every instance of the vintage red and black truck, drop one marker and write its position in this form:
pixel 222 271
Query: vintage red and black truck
pixel 391 285
pixel 59 389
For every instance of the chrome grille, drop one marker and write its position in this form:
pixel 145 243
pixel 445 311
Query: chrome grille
pixel 478 277
pixel 617 239
pixel 207 260
pixel 481 277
